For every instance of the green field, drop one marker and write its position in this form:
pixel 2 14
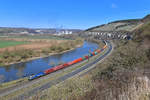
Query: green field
pixel 35 37
pixel 4 43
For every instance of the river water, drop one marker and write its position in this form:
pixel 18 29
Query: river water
pixel 16 71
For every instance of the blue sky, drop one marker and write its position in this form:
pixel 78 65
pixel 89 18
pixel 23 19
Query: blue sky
pixel 80 14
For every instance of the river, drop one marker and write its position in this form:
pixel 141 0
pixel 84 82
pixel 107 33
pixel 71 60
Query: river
pixel 16 71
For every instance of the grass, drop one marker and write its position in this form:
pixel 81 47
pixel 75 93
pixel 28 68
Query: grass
pixel 142 32
pixel 73 87
pixel 37 37
pixel 4 43
pixel 145 96
pixel 12 83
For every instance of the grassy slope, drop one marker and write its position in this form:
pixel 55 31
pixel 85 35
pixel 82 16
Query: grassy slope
pixel 123 70
pixel 125 25
pixel 143 32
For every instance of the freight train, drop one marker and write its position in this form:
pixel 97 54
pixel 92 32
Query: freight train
pixel 56 68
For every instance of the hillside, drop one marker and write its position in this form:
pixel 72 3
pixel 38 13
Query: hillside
pixel 121 25
pixel 146 18
pixel 7 30
pixel 126 74
pixel 143 32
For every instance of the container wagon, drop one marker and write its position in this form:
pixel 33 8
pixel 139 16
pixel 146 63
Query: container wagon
pixel 56 68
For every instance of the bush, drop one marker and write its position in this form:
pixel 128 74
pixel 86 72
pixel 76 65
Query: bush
pixel 53 48
pixel 60 49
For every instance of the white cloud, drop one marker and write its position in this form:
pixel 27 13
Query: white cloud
pixel 113 5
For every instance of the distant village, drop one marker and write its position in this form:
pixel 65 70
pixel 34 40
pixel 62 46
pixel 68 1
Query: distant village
pixel 27 31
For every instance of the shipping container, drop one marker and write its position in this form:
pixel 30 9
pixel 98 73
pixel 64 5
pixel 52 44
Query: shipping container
pixel 90 55
pixel 71 63
pixel 77 60
pixel 66 64
pixel 86 57
pixel 95 53
pixel 74 61
pixel 48 71
pixel 83 58
pixel 104 47
pixel 58 67
pixel 98 51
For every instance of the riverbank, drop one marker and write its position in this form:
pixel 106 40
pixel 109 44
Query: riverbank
pixel 54 50
pixel 43 56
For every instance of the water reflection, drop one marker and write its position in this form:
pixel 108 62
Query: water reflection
pixel 7 68
pixel 2 78
pixel 20 67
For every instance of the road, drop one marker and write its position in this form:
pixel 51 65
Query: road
pixel 56 81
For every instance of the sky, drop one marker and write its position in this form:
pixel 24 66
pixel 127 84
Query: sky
pixel 73 14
